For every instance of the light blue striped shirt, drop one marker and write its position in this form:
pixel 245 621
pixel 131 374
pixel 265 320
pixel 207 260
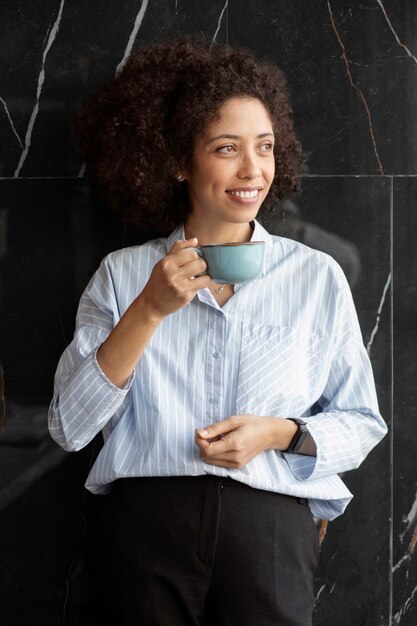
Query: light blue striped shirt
pixel 283 344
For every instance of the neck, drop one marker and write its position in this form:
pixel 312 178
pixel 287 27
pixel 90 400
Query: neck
pixel 211 233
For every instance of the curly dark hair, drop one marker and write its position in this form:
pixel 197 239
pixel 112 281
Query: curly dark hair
pixel 137 131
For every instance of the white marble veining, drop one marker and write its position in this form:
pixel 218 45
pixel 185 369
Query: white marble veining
pixel 11 122
pixel 226 4
pixel 320 591
pixel 410 518
pixel 41 79
pixel 394 32
pixel 133 35
pixel 378 315
pixel 401 562
pixel 406 606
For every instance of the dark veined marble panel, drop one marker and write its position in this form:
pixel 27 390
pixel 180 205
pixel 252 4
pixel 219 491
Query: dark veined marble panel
pixel 405 403
pixel 351 70
pixel 55 54
pixel 43 546
pixel 52 238
pixel 349 218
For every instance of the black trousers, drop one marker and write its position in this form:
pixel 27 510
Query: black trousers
pixel 202 551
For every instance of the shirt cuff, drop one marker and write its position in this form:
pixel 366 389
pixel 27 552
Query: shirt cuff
pixel 301 465
pixel 107 380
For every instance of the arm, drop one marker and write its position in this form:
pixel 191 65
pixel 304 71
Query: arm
pixel 96 371
pixel 169 288
pixel 347 428
pixel 349 424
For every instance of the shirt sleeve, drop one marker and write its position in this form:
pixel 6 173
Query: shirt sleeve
pixel 84 398
pixel 349 424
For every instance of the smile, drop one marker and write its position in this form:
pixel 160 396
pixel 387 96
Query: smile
pixel 245 194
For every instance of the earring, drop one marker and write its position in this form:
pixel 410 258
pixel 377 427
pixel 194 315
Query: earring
pixel 179 177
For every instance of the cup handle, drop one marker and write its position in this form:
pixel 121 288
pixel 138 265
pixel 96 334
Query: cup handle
pixel 200 254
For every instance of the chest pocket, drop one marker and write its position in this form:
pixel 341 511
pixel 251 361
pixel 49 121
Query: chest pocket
pixel 278 370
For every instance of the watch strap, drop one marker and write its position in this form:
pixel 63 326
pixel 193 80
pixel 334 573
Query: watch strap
pixel 302 442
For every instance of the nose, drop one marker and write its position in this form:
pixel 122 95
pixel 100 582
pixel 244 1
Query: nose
pixel 249 166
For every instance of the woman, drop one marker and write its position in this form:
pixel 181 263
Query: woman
pixel 227 412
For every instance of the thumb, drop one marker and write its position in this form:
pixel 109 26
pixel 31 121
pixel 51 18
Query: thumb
pixel 220 428
pixel 180 244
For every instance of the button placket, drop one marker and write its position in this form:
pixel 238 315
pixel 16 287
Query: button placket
pixel 215 364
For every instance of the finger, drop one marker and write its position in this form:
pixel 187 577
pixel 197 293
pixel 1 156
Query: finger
pixel 181 244
pixel 220 428
pixel 200 282
pixel 231 460
pixel 218 447
pixel 183 258
pixel 193 267
pixel 222 463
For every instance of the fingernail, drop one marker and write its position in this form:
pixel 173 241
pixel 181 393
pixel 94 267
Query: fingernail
pixel 202 431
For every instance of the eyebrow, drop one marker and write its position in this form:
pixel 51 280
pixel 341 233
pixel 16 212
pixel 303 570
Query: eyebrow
pixel 228 136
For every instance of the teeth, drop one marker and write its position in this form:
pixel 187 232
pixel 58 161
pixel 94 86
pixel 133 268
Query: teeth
pixel 245 194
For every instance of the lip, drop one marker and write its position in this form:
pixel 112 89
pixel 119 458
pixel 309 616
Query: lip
pixel 257 188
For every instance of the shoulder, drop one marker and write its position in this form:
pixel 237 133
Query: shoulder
pixel 299 253
pixel 136 256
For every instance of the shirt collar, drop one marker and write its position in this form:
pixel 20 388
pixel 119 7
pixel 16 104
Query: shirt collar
pixel 177 234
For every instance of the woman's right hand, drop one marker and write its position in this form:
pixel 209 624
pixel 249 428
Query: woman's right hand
pixel 174 280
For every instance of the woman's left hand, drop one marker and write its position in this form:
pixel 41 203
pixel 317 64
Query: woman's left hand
pixel 235 441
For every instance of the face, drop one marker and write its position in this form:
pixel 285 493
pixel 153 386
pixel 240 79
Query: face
pixel 233 164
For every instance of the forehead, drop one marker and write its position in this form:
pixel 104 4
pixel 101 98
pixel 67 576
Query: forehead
pixel 244 113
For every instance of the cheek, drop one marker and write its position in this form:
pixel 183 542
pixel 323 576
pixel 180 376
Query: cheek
pixel 271 172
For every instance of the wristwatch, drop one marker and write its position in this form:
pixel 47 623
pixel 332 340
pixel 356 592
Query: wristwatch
pixel 302 442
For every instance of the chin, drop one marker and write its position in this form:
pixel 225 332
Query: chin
pixel 245 217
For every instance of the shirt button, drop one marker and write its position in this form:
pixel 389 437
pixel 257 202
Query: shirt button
pixel 218 313
pixel 215 399
pixel 216 355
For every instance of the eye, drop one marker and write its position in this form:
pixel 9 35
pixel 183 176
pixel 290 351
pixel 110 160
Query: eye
pixel 267 147
pixel 226 149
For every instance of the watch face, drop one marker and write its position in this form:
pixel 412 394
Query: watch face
pixel 306 444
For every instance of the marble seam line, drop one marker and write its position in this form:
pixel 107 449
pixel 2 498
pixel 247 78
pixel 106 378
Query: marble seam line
pixel 356 88
pixel 400 43
pixel 219 23
pixel 11 122
pixel 378 315
pixel 41 79
pixel 314 176
pixel 133 35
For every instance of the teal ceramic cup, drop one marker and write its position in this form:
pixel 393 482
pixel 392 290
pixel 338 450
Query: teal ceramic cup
pixel 229 263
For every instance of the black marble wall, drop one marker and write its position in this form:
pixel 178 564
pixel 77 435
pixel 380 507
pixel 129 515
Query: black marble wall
pixel 351 69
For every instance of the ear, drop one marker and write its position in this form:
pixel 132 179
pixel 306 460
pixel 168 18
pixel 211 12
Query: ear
pixel 180 170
